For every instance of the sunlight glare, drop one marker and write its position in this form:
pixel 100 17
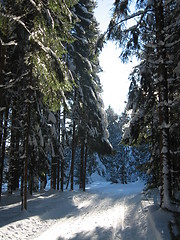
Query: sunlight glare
pixel 106 216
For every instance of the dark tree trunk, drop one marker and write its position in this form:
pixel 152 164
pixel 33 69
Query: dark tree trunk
pixel 1 127
pixel 16 172
pixel 25 177
pixel 22 186
pixel 12 169
pixel 59 154
pixel 69 176
pixel 28 95
pixel 62 149
pixel 62 170
pixel 58 173
pixel 155 163
pixel 82 165
pixel 163 106
pixel 85 165
pixel 73 156
pixel 13 180
pixel 2 65
pixel 3 148
pixel 30 180
pixel 53 172
pixel 31 173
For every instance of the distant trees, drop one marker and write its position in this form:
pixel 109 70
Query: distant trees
pixel 152 35
pixel 128 163
pixel 116 164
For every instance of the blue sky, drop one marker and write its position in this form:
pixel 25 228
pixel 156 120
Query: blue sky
pixel 114 77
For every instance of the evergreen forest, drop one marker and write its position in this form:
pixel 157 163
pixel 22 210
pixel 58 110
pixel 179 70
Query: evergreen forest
pixel 53 125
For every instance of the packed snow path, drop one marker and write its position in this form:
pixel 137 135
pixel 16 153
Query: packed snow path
pixel 104 212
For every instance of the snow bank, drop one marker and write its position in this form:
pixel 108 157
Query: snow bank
pixel 95 177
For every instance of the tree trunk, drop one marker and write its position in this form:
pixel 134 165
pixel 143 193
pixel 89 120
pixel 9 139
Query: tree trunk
pixel 163 106
pixel 24 207
pixel 26 139
pixel 22 186
pixel 62 171
pixel 53 172
pixel 81 165
pixel 155 160
pixel 69 176
pixel 59 151
pixel 58 173
pixel 59 154
pixel 1 126
pixel 73 156
pixel 2 134
pixel 2 64
pixel 17 163
pixel 62 149
pixel 3 147
pixel 12 151
pixel 25 178
pixel 13 178
pixel 31 173
pixel 85 165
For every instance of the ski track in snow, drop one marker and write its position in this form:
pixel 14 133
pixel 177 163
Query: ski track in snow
pixel 104 212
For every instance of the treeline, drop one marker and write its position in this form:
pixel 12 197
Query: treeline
pixel 49 92
pixel 128 163
pixel 150 30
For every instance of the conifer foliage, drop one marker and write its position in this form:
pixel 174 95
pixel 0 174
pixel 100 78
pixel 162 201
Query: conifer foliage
pixel 128 163
pixel 89 118
pixel 34 77
pixel 49 93
pixel 52 119
pixel 151 33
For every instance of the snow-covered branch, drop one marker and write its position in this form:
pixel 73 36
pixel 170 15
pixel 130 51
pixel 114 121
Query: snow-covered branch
pixel 132 16
pixel 11 43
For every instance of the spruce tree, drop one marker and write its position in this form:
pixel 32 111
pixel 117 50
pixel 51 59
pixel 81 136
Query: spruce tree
pixel 38 70
pixel 88 116
pixel 151 39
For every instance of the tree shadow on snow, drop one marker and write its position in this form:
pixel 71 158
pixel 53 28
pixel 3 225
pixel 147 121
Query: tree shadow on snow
pixel 53 205
pixel 97 234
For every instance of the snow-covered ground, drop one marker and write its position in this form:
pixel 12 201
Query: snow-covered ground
pixel 105 211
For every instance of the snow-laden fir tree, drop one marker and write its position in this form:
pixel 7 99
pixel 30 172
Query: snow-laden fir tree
pixel 88 114
pixel 151 34
pixel 128 163
pixel 34 72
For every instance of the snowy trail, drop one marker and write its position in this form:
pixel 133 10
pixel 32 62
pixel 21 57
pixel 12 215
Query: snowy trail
pixel 104 212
